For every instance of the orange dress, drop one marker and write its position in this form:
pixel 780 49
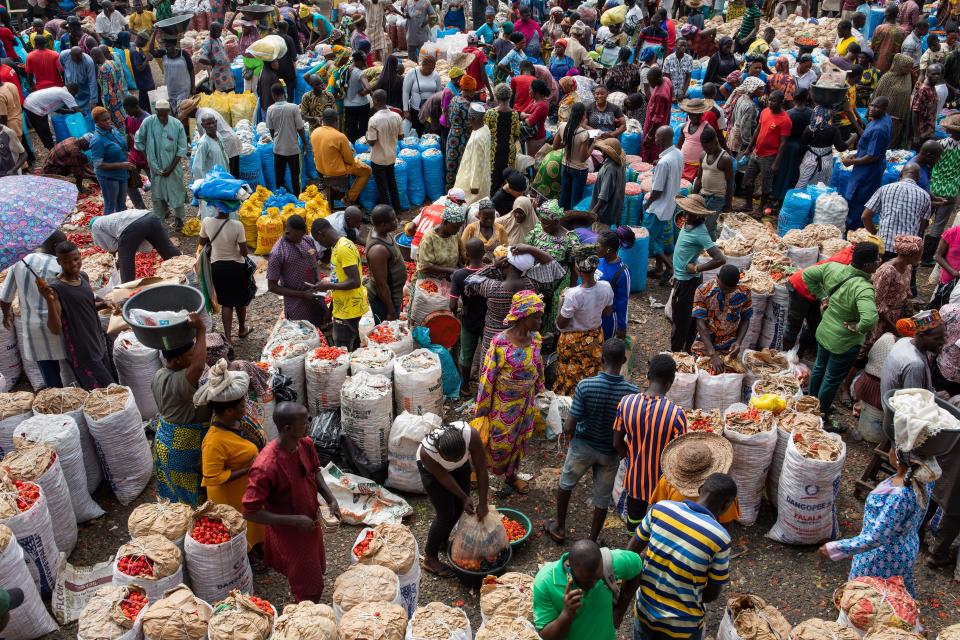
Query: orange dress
pixel 222 452
pixel 666 491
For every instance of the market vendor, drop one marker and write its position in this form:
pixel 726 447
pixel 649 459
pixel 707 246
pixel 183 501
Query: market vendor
pixel 869 163
pixel 686 463
pixel 292 273
pixel 722 308
pixel 123 232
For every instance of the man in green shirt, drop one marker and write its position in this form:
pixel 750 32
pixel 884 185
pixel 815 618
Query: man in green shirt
pixel 749 26
pixel 850 315
pixel 571 598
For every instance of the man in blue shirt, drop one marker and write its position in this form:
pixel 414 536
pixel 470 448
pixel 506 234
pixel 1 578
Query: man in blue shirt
pixel 78 69
pixel 870 162
pixel 488 30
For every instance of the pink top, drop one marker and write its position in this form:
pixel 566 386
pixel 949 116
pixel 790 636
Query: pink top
pixel 527 28
pixel 692 147
pixel 952 239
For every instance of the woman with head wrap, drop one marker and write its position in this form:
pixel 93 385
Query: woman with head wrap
pixel 511 377
pixel 560 63
pixel 452 89
pixel 520 221
pixel 722 63
pixel 819 139
pixel 741 113
pixel 486 229
pixel 550 236
pixel 896 85
pixel 569 97
pixel 458 112
pixel 946 370
pixel 231 443
pixel 781 80
pixel 438 255
pixel 504 125
pixel 730 82
pixel 473 174
pixel 579 323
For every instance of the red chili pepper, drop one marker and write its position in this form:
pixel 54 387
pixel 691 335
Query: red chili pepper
pixel 209 531
pixel 515 530
pixel 361 547
pixel 27 494
pixel 328 353
pixel 262 604
pixel 133 604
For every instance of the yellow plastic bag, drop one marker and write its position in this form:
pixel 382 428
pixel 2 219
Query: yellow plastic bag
pixel 768 402
pixel 218 101
pixel 242 107
pixel 269 230
pixel 191 227
pixel 614 16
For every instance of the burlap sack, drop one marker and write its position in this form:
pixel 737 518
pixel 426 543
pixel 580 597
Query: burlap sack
pixel 507 628
pixel 819 629
pixel 102 617
pixel 63 400
pixel 238 618
pixel 168 519
pixel 29 461
pixel 306 621
pixel 230 517
pixel 889 633
pixel 749 617
pixel 510 595
pixel 15 403
pixel 392 546
pixel 950 633
pixel 179 615
pixel 165 555
pixel 437 621
pixel 363 583
pixel 374 621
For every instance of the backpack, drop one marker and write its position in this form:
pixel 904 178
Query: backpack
pixel 609 578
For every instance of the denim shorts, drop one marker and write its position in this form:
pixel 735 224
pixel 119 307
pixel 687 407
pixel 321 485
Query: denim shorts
pixel 581 457
pixel 659 230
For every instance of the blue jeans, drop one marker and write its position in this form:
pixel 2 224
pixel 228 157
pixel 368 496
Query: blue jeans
pixel 828 372
pixel 50 372
pixel 640 633
pixel 572 182
pixel 114 194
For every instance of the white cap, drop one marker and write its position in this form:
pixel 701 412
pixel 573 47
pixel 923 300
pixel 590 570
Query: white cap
pixel 457 194
pixel 161 104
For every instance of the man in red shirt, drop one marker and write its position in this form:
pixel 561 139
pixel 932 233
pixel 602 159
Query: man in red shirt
pixel 6 35
pixel 769 141
pixel 44 66
pixel 520 85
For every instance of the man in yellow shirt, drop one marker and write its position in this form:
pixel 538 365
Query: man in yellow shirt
pixel 140 21
pixel 333 156
pixel 844 36
pixel 346 285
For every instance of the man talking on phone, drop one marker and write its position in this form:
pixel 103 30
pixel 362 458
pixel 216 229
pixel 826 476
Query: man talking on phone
pixel 585 593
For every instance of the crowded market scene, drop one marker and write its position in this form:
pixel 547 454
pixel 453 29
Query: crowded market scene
pixel 493 319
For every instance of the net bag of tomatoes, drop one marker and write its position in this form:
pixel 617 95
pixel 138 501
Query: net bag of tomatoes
pixel 168 519
pixel 30 620
pixel 437 621
pixel 754 439
pixel 510 596
pixel 69 402
pixel 326 368
pixel 429 295
pixel 306 621
pixel 477 545
pixel 38 462
pixel 287 347
pixel 240 616
pixel 23 508
pixel 113 612
pixel 178 615
pixel 115 426
pixel 380 620
pixel 394 335
pixel 151 562
pixel 365 583
pixel 216 550
pixel 392 546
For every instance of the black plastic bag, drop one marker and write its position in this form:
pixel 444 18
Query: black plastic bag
pixel 282 388
pixel 325 431
pixel 355 460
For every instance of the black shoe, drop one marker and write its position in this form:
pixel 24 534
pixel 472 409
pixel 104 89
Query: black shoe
pixel 833 426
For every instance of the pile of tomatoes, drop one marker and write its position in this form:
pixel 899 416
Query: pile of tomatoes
pixel 133 604
pixel 515 530
pixel 361 547
pixel 383 334
pixel 429 286
pixel 135 566
pixel 328 353
pixel 27 495
pixel 209 531
pixel 262 604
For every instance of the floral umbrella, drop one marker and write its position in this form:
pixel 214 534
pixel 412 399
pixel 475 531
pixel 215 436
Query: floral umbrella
pixel 31 208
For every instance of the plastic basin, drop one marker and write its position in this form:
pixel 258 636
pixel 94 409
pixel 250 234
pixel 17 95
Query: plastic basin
pixel 473 579
pixel 828 96
pixel 522 518
pixel 938 445
pixel 175 26
pixel 165 297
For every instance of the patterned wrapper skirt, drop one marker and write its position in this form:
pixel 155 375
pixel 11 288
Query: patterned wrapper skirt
pixel 176 457
pixel 578 357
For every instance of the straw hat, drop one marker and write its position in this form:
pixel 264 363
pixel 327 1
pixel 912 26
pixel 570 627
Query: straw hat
pixel 697 105
pixel 951 122
pixel 462 59
pixel 694 205
pixel 611 148
pixel 694 4
pixel 878 354
pixel 688 460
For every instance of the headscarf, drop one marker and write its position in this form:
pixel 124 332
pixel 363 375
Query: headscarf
pixel 524 303
pixel 507 28
pixel 517 231
pixel 523 262
pixel 782 65
pixel 568 84
pixel 922 322
pixel 578 27
pixel 222 385
pixel 734 76
pixel 724 40
pixel 821 119
pixel 231 143
pixel 550 210
pixel 560 42
pixel 749 85
pixel 688 30
pixel 468 83
pixel 455 72
pixel 907 246
pixel 453 212
pixel 485 203
pixel 896 85
pixel 781 80
pixel 648 54
pixel 586 258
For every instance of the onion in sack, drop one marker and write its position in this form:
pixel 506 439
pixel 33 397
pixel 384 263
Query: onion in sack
pixel 111 612
pixel 374 621
pixel 306 621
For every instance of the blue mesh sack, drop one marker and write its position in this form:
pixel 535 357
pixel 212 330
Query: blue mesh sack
pixel 433 176
pixel 796 212
pixel 400 171
pixel 416 192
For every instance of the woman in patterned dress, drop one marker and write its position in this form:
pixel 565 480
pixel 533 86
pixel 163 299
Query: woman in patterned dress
pixel 504 125
pixel 113 87
pixel 550 236
pixel 512 376
pixel 457 114
pixel 547 180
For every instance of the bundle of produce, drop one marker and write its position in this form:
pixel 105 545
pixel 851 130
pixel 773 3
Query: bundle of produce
pixel 23 508
pixel 700 420
pixel 388 545
pixel 787 422
pixel 686 362
pixel 832 246
pixel 748 422
pixel 762 286
pixel 819 629
pixel 374 621
pixel 784 385
pixel 730 365
pixel 950 633
pixel 241 616
pixel 429 295
pixel 770 260
pixel 507 628
pixel 30 620
pixel 869 602
pixel 306 621
pixel 754 439
pixel 418 386
pixel 858 235
pixel 758 281
pixel 887 633
pixel 287 347
pixel 509 595
pixel 168 519
pixel 804 404
pixel 151 562
pixel 741 223
pixel 437 621
pixel 15 407
pixel 112 613
pixel 364 583
pixel 179 615
pixel 765 361
pixel 116 428
pixel 69 401
pixel 216 552
pixel 39 463
pixel 515 530
pixel 749 617
pixel 374 359
pixel 326 368
pixel 394 335
pixel 817 445
pixel 179 268
pixel 736 246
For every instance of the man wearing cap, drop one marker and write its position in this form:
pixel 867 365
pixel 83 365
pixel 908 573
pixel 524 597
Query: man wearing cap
pixel 10 599
pixel 333 155
pixel 75 36
pixel 383 131
pixel 163 141
pixel 67 158
pixel 606 203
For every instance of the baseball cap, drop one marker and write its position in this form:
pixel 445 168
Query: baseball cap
pixel 10 599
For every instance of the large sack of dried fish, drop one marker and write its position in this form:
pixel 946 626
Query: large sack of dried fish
pixel 113 613
pixel 168 519
pixel 40 463
pixel 749 617
pixel 788 421
pixel 437 621
pixel 775 318
pixel 761 287
pixel 217 566
pixel 417 385
pixel 114 423
pixel 761 363
pixel 807 493
pixel 241 617
pixel 507 628
pixel 819 629
pixel 869 602
pixel 23 508
pixel 179 615
pixel 179 268
pixel 373 359
pixel 365 583
pixel 718 390
pixel 771 260
pixel 374 621
pixel 886 633
pixel 804 404
pixel 510 596
pixel 785 385
pixel 150 562
pixel 69 401
pixel 833 246
pixel 306 621
pixel 366 408
pixel 684 388
pixel 753 438
pixel 30 620
pixel 14 408
pixel 287 347
pixel 950 633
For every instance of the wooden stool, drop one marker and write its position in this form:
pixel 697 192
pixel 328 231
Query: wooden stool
pixel 328 185
pixel 871 475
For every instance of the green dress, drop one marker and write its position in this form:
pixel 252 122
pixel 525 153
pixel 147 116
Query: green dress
pixel 162 9
pixel 560 249
pixel 547 180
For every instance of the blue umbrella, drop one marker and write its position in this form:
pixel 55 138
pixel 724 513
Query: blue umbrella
pixel 31 208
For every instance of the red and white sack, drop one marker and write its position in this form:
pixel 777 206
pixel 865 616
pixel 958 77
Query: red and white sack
pixel 717 391
pixel 61 431
pixel 366 413
pixel 418 383
pixel 287 347
pixel 373 359
pixel 162 553
pixel 69 401
pixel 15 407
pixel 30 620
pixel 324 379
pixel 34 532
pixel 10 365
pixel 102 617
pixel 810 420
pixel 394 335
pixel 752 455
pixel 807 497
pixel 406 434
pixel 121 444
pixel 217 569
pixel 136 366
pixel 425 302
pixel 75 586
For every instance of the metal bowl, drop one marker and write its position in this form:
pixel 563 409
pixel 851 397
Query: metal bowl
pixel 258 12
pixel 165 297
pixel 175 26
pixel 938 445
pixel 831 97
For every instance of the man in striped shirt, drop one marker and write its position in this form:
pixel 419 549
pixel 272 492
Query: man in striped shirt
pixel 686 562
pixel 645 424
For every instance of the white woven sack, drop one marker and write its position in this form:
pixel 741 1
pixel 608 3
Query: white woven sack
pixel 30 620
pixel 293 366
pixel 707 275
pixel 831 208
pixel 30 368
pixel 90 462
pixel 717 392
pixel 759 305
pixel 34 532
pixel 62 433
pixel 154 588
pixel 684 389
pixel 324 379
pixel 378 354
pixel 418 391
pixel 123 451
pixel 775 318
pixel 217 569
pixel 405 344
pixel 10 365
pixel 75 585
pixel 409 581
pixel 133 633
pixel 807 497
pixel 454 634
pixel 136 365
pixel 425 303
pixel 58 504
pixel 776 465
pixel 338 611
pixel 406 434
pixel 7 428
pixel 366 412
pixel 751 460
pixel 803 257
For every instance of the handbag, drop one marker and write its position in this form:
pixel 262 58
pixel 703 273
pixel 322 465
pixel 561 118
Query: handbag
pixel 251 281
pixel 527 131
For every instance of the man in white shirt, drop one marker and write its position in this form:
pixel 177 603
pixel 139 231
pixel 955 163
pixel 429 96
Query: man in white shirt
pixel 39 104
pixel 285 124
pixel 109 22
pixel 383 130
pixel 123 232
pixel 857 23
pixel 912 43
pixel 660 204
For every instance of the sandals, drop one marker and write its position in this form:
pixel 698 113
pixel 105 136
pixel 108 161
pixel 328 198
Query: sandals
pixel 554 535
pixel 520 486
pixel 244 334
pixel 444 572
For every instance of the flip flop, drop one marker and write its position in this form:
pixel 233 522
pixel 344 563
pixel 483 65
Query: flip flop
pixel 553 535
pixel 446 572
pixel 520 486
pixel 244 334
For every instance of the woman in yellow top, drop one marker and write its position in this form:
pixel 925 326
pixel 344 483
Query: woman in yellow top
pixel 490 232
pixel 231 443
pixel 687 461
